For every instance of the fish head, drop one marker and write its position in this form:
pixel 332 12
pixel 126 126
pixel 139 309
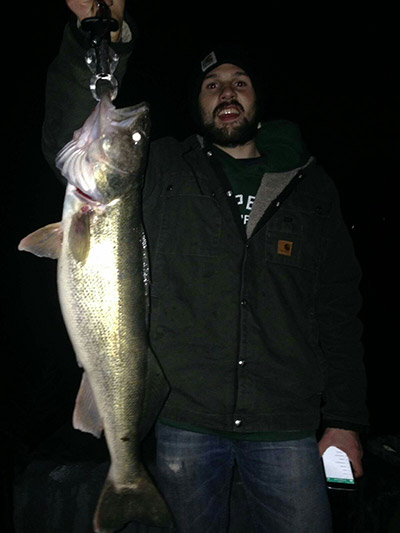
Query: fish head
pixel 107 156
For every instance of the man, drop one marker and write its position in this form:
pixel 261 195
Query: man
pixel 253 302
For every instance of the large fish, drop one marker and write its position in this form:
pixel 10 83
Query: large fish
pixel 103 290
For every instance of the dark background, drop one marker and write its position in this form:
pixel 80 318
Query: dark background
pixel 331 69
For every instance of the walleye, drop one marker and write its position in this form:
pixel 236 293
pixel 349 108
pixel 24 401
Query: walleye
pixel 103 290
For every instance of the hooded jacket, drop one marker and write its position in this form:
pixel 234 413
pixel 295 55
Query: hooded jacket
pixel 255 332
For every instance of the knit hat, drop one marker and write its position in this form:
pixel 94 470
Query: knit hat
pixel 220 55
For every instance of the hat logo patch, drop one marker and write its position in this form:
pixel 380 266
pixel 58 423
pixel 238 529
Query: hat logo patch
pixel 208 61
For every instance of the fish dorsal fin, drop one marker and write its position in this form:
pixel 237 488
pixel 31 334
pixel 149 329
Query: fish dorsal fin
pixel 86 415
pixel 44 242
pixel 79 236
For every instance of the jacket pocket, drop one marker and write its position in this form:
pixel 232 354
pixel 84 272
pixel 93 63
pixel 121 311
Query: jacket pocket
pixel 294 238
pixel 190 225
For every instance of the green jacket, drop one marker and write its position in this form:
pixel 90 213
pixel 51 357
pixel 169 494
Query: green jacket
pixel 254 332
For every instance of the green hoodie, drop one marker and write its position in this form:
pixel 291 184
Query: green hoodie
pixel 282 149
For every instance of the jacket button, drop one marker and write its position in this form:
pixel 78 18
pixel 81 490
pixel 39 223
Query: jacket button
pixel 169 188
pixel 229 193
pixel 209 153
pixel 238 423
pixel 243 302
pixel 241 362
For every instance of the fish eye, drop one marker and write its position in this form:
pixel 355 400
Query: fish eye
pixel 106 144
pixel 136 136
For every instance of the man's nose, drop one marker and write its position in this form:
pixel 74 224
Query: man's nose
pixel 227 92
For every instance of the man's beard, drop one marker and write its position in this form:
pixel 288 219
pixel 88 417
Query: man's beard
pixel 228 136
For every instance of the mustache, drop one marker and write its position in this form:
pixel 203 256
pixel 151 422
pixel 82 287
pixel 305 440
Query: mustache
pixel 222 105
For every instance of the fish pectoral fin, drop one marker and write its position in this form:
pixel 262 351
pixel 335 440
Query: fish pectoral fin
pixel 79 236
pixel 44 242
pixel 86 416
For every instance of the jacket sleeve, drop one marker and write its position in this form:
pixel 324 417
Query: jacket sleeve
pixel 69 100
pixel 338 305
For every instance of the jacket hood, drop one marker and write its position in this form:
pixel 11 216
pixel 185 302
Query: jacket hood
pixel 281 142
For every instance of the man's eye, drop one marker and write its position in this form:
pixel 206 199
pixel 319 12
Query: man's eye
pixel 241 83
pixel 211 85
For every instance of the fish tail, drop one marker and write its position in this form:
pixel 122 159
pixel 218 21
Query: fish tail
pixel 140 502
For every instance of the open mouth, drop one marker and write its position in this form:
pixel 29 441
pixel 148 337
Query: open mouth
pixel 228 111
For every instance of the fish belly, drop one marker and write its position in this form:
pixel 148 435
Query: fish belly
pixel 103 302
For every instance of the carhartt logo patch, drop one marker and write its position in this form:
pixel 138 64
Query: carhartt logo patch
pixel 208 61
pixel 285 247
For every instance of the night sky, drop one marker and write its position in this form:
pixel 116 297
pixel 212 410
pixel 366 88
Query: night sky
pixel 328 69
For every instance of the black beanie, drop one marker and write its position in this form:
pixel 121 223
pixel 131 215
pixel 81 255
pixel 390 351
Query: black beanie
pixel 220 55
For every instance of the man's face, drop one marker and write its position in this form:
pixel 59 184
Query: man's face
pixel 227 104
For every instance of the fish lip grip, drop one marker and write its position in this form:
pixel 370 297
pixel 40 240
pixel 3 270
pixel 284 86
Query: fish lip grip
pixel 103 80
pixel 101 60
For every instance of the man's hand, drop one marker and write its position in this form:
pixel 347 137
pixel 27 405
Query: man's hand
pixel 88 8
pixel 347 441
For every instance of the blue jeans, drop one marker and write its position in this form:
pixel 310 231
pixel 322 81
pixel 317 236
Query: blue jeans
pixel 283 482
